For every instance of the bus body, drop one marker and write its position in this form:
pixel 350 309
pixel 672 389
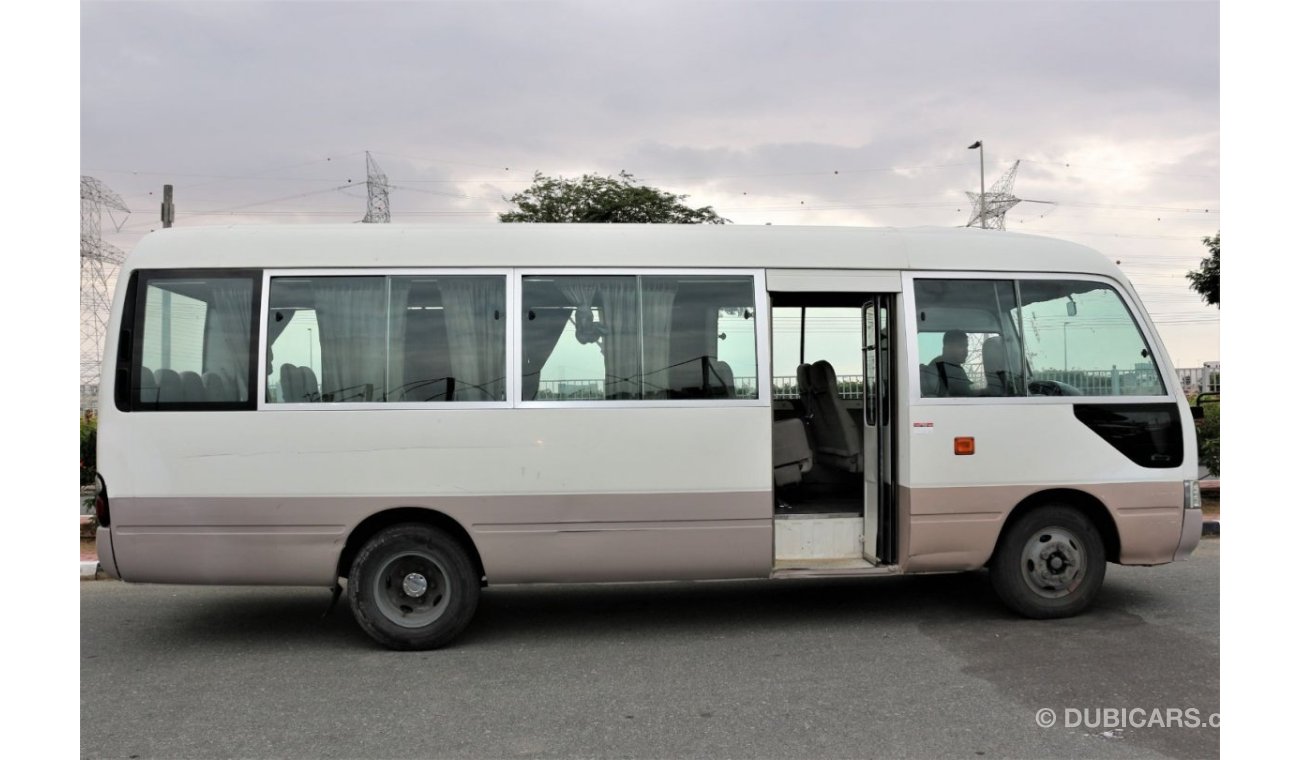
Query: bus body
pixel 422 411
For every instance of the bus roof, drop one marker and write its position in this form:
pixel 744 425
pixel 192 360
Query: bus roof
pixel 673 246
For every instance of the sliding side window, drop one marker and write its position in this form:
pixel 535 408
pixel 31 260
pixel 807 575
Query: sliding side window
pixel 639 337
pixel 967 338
pixel 377 339
pixel 190 344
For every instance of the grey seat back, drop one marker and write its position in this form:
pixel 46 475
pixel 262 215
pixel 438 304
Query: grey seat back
pixel 310 388
pixel 791 455
pixel 192 390
pixel 930 386
pixel 148 386
pixel 835 437
pixel 216 388
pixel 290 384
pixel 722 381
pixel 803 384
pixel 169 386
pixel 996 368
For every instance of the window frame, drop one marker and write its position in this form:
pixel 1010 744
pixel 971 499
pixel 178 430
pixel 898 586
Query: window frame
pixel 511 283
pixel 761 349
pixel 1139 316
pixel 127 398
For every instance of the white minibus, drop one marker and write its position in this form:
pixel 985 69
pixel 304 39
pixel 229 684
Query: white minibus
pixel 414 413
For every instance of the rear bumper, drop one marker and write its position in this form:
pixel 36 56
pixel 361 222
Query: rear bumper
pixel 104 548
pixel 1191 537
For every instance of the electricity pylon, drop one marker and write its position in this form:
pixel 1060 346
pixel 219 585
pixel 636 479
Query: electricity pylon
pixel 990 209
pixel 376 192
pixel 99 263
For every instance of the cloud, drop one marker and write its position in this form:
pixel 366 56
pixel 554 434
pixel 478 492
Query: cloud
pixel 749 107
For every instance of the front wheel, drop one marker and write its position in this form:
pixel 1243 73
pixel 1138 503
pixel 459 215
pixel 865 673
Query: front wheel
pixel 1049 564
pixel 413 586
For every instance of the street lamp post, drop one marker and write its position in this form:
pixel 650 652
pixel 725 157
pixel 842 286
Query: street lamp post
pixel 984 222
pixel 1065 331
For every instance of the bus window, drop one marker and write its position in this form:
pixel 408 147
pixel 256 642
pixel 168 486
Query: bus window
pixel 195 341
pixel 386 339
pixel 967 339
pixel 1080 339
pixel 633 337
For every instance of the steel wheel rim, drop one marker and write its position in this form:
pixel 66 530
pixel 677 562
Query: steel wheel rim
pixel 411 589
pixel 1053 562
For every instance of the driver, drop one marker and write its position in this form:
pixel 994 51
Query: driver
pixel 951 377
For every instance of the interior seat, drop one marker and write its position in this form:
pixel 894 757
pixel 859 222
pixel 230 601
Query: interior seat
pixel 215 387
pixel 290 384
pixel 721 380
pixel 835 439
pixel 996 368
pixel 192 390
pixel 791 454
pixel 148 386
pixel 307 381
pixel 169 386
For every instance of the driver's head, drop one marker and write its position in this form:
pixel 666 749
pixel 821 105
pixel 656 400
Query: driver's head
pixel 955 348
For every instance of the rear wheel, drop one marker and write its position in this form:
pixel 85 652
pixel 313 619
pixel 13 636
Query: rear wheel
pixel 1050 563
pixel 413 586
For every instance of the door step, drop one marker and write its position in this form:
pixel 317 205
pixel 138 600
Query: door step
pixel 828 568
pixel 817 538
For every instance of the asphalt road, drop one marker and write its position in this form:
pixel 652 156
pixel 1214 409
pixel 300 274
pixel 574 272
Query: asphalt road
pixel 897 667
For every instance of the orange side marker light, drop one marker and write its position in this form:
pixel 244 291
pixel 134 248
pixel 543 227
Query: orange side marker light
pixel 963 445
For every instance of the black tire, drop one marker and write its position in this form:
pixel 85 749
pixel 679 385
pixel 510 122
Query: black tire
pixel 1050 563
pixel 413 586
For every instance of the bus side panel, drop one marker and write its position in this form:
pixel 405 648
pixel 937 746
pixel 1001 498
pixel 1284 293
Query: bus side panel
pixel 957 504
pixel 547 494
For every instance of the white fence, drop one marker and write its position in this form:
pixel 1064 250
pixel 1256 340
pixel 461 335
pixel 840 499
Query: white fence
pixel 1199 379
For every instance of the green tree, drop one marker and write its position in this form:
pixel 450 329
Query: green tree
pixel 88 434
pixel 607 200
pixel 1207 438
pixel 1206 279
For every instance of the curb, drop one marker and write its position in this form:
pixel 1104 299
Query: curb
pixel 1210 528
pixel 90 568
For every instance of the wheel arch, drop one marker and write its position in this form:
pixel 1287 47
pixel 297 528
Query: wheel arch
pixel 1090 506
pixel 378 521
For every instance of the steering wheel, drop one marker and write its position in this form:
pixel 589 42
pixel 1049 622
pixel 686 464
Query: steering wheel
pixel 1044 388
pixel 1052 388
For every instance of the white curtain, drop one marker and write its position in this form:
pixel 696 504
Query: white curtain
pixel 353 329
pixel 657 296
pixel 399 296
pixel 474 313
pixel 581 292
pixel 229 334
pixel 622 340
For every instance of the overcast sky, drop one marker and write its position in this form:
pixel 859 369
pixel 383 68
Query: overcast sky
pixel 789 113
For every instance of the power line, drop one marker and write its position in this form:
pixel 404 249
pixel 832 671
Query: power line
pixel 1072 165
